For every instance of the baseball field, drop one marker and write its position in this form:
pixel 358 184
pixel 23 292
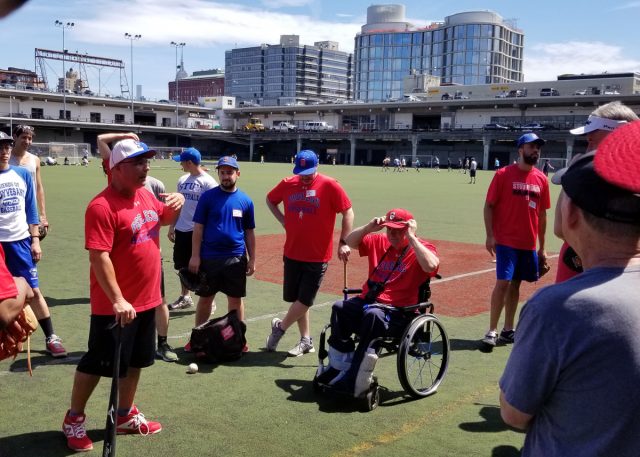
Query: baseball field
pixel 264 405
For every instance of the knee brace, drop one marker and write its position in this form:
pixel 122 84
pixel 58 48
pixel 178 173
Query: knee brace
pixel 364 377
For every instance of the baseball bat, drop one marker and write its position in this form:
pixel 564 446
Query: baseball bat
pixel 109 448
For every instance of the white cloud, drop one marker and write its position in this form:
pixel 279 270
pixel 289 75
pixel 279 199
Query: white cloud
pixel 205 24
pixel 626 6
pixel 545 61
pixel 275 4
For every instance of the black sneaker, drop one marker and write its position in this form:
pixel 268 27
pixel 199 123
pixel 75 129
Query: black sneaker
pixel 507 336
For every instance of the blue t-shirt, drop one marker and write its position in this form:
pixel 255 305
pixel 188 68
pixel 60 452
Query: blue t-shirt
pixel 225 216
pixel 575 366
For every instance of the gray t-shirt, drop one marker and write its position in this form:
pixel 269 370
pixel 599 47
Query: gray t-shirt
pixel 155 186
pixel 575 366
pixel 192 187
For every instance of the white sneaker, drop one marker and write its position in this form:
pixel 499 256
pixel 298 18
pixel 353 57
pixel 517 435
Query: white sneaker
pixel 304 346
pixel 183 301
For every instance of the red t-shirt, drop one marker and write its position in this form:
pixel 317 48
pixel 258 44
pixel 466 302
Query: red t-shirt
pixel 129 229
pixel 401 289
pixel 564 273
pixel 518 197
pixel 309 216
pixel 8 287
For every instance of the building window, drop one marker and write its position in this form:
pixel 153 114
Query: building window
pixel 119 118
pixel 166 122
pixel 37 113
pixel 62 115
pixel 95 117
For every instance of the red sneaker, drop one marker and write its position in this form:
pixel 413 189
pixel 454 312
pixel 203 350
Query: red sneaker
pixel 54 347
pixel 136 423
pixel 74 429
pixel 245 348
pixel 187 347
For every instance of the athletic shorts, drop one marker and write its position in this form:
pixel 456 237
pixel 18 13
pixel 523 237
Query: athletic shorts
pixel 472 173
pixel 19 260
pixel 228 276
pixel 302 280
pixel 182 249
pixel 518 264
pixel 138 345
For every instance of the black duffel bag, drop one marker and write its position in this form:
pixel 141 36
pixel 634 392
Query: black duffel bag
pixel 221 339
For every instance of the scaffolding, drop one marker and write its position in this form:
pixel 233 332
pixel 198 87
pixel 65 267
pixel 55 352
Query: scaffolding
pixel 82 61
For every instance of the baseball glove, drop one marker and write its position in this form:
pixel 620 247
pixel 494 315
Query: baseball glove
pixel 16 333
pixel 543 267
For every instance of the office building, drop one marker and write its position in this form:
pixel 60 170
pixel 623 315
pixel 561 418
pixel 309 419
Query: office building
pixel 288 73
pixel 206 83
pixel 477 47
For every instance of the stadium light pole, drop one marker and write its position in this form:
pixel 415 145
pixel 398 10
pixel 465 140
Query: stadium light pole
pixel 64 26
pixel 131 39
pixel 178 68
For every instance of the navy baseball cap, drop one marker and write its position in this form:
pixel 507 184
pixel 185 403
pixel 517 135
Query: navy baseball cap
pixel 530 138
pixel 228 161
pixel 306 163
pixel 189 154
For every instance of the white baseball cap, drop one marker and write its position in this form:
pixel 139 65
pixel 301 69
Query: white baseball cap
pixel 598 123
pixel 126 149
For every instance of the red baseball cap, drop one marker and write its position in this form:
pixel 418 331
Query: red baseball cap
pixel 617 158
pixel 397 218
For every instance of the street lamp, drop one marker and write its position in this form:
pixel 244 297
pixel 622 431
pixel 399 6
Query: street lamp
pixel 64 26
pixel 131 39
pixel 178 69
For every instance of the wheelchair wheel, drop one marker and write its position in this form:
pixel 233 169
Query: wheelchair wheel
pixel 423 356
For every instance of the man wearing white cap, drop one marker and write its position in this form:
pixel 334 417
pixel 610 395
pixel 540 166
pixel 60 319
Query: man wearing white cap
pixel 122 228
pixel 601 122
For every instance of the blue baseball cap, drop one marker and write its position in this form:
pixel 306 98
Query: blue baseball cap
pixel 530 138
pixel 189 154
pixel 306 163
pixel 228 161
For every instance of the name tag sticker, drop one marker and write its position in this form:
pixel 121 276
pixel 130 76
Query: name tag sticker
pixel 532 204
pixel 310 193
pixel 237 213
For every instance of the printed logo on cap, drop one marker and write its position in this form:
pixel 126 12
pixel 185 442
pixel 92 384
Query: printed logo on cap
pixel 303 162
pixel 392 215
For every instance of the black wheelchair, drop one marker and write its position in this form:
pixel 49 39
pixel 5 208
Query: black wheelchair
pixel 422 350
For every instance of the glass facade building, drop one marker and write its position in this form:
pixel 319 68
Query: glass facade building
pixel 476 47
pixel 288 73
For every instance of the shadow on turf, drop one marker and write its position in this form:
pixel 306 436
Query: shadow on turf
pixel 66 301
pixel 491 421
pixel 49 443
pixel 43 360
pixel 465 345
pixel 302 391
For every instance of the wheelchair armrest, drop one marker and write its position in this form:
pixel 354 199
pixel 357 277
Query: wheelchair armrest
pixel 420 307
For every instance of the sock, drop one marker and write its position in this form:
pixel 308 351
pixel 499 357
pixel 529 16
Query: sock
pixel 46 325
pixel 161 340
pixel 73 413
pixel 124 412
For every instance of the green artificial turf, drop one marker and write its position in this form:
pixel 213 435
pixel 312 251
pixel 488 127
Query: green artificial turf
pixel 262 405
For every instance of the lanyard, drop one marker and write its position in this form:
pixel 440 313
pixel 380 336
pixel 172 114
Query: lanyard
pixel 395 265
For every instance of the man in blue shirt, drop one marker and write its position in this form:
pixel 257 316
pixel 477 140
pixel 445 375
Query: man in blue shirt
pixel 223 243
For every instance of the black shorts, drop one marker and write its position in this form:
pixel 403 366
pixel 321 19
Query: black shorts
pixel 302 280
pixel 472 173
pixel 138 345
pixel 228 276
pixel 182 249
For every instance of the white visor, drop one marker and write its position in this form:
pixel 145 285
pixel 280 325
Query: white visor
pixel 597 123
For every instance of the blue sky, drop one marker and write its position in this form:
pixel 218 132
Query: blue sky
pixel 560 36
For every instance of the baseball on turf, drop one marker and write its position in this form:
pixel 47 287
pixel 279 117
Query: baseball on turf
pixel 193 368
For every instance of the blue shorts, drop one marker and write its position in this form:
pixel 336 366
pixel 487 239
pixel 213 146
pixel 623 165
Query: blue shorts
pixel 516 264
pixel 19 260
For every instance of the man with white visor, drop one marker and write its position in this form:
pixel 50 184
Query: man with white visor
pixel 601 122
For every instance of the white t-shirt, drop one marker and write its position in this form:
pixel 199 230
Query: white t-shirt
pixel 192 187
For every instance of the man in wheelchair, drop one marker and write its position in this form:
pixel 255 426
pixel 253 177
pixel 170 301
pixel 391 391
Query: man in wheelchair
pixel 399 262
